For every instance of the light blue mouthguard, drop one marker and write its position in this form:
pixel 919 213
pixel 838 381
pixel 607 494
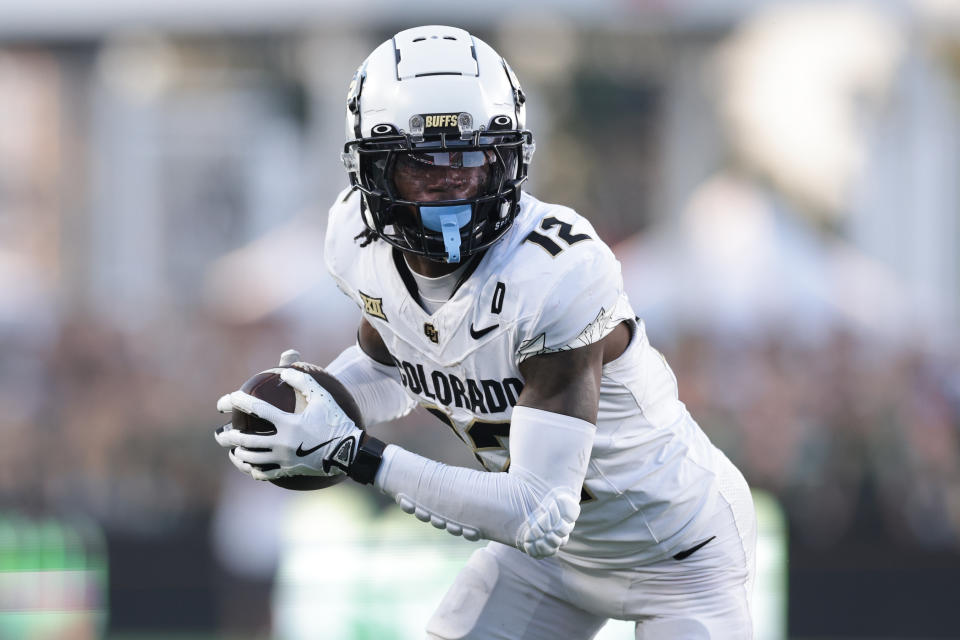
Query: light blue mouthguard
pixel 448 221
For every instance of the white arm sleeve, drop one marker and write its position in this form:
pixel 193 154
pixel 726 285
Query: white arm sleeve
pixel 532 507
pixel 376 387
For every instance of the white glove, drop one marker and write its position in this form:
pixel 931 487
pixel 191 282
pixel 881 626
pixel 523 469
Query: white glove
pixel 320 440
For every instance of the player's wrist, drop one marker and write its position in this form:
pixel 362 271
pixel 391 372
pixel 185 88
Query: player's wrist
pixel 367 459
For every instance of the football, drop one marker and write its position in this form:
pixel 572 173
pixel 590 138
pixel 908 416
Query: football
pixel 267 385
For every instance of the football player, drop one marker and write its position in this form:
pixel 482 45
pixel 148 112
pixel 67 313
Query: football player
pixel 505 318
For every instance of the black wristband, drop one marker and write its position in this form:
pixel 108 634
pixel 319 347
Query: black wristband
pixel 368 459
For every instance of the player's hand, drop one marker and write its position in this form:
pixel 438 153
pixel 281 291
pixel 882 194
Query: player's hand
pixel 320 440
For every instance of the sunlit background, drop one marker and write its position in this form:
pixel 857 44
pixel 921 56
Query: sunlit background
pixel 780 181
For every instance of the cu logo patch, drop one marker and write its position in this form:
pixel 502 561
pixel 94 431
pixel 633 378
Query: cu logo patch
pixel 431 332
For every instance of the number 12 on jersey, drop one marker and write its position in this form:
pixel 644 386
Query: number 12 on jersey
pixel 549 244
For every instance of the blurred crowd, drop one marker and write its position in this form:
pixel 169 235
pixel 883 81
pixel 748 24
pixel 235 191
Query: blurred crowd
pixel 118 425
pixel 847 433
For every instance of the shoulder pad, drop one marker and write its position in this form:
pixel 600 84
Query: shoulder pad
pixel 340 245
pixel 571 282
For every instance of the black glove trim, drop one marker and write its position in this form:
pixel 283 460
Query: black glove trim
pixel 368 459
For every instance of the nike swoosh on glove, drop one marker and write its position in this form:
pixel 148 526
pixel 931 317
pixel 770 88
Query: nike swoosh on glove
pixel 319 441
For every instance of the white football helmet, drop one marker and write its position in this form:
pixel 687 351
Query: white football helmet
pixel 436 142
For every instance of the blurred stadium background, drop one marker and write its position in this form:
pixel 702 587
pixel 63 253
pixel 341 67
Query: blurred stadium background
pixel 781 182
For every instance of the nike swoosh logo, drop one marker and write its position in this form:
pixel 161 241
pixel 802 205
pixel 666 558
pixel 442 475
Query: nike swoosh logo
pixel 683 555
pixel 301 452
pixel 476 335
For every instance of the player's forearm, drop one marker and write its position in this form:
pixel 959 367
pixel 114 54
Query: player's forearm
pixel 374 386
pixel 437 493
pixel 533 507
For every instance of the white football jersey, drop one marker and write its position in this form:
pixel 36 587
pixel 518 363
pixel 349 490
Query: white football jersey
pixel 549 284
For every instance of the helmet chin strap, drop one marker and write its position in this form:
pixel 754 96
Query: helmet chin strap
pixel 448 221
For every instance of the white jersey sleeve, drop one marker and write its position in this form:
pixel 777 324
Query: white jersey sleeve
pixel 340 246
pixel 374 386
pixel 583 298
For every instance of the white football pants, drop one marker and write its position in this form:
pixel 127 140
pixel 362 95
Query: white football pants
pixel 504 594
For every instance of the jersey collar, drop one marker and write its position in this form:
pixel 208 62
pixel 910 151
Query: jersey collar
pixel 411 284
